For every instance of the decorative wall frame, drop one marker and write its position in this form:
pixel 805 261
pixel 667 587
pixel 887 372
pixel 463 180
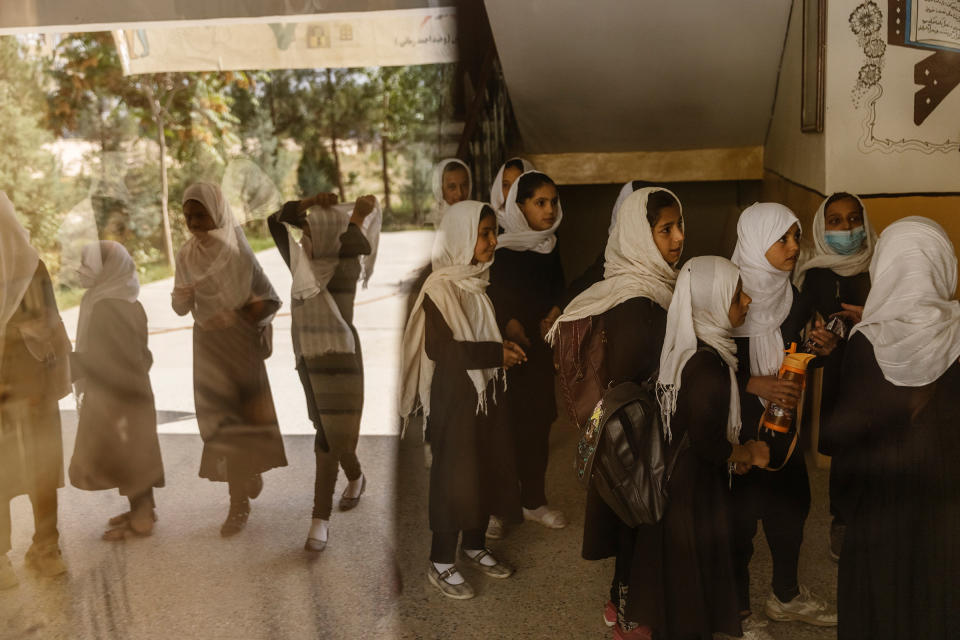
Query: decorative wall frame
pixel 813 66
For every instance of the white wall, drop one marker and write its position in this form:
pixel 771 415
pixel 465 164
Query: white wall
pixel 873 145
pixel 797 156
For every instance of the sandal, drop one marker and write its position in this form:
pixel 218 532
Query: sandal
pixel 462 591
pixel 497 570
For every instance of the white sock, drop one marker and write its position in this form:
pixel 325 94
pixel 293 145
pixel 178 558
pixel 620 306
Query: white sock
pixel 319 529
pixel 456 578
pixel 487 560
pixel 352 490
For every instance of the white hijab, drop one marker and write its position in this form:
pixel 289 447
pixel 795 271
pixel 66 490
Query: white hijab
pixel 911 316
pixel 700 309
pixel 824 257
pixel 760 225
pixel 625 192
pixel 109 273
pixel 437 186
pixel 18 263
pixel 634 267
pixel 313 262
pixel 496 189
pixel 517 234
pixel 458 289
pixel 223 271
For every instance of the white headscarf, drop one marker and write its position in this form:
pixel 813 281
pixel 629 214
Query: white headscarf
pixel 18 263
pixel 223 270
pixel 517 234
pixel 634 267
pixel 625 192
pixel 109 273
pixel 911 316
pixel 313 262
pixel 437 186
pixel 824 257
pixel 700 309
pixel 496 189
pixel 760 225
pixel 458 289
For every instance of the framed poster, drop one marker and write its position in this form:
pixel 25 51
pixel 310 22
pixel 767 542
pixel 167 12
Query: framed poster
pixel 813 65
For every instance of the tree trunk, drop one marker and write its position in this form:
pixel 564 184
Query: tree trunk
pixel 333 140
pixel 386 176
pixel 158 120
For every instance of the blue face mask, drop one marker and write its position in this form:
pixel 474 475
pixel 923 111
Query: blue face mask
pixel 846 242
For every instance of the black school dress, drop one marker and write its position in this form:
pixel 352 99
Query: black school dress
pixel 899 446
pixel 473 473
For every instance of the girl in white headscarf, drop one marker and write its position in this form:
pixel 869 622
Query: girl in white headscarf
pixel 688 588
pixel 337 249
pixel 631 304
pixel 768 243
pixel 894 434
pixel 219 281
pixel 452 183
pixel 31 450
pixel 594 273
pixel 506 176
pixel 832 278
pixel 453 366
pixel 117 444
pixel 527 289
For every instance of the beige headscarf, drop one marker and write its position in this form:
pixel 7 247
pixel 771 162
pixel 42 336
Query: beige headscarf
pixel 224 272
pixel 517 234
pixel 634 267
pixel 824 257
pixel 437 187
pixel 700 310
pixel 18 263
pixel 458 289
pixel 911 316
pixel 496 189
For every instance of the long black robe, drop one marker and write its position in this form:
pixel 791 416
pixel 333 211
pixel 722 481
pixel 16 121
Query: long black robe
pixel 473 473
pixel 899 447
pixel 525 285
pixel 117 444
pixel 682 580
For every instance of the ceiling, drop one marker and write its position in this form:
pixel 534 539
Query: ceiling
pixel 640 75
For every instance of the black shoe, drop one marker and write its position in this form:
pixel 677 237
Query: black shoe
pixel 254 486
pixel 349 503
pixel 236 519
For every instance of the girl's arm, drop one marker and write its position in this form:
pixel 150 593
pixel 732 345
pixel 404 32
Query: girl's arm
pixel 443 349
pixel 289 213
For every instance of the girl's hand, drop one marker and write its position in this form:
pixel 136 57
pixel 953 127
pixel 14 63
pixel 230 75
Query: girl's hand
pixel 323 199
pixel 515 332
pixel 741 468
pixel 823 341
pixel 512 354
pixel 548 321
pixel 759 453
pixel 785 393
pixel 222 320
pixel 851 312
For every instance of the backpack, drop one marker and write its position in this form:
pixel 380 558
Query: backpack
pixel 624 454
pixel 579 358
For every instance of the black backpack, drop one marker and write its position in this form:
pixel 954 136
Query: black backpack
pixel 623 453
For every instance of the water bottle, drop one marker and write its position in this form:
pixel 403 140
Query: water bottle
pixel 778 425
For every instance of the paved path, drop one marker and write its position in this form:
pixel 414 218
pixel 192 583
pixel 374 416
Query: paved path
pixel 378 317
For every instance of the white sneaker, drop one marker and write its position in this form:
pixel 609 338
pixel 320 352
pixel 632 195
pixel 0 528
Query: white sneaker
pixel 494 528
pixel 753 629
pixel 550 518
pixel 806 607
pixel 8 579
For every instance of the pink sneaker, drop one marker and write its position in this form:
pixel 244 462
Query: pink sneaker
pixel 609 614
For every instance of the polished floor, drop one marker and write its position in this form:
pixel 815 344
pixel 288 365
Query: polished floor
pixel 187 582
